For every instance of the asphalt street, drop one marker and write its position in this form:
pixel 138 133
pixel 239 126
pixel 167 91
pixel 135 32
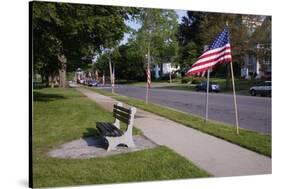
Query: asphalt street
pixel 254 112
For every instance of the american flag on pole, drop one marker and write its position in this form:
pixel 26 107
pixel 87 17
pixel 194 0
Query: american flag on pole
pixel 148 77
pixel 217 53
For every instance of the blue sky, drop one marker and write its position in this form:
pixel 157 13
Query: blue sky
pixel 136 26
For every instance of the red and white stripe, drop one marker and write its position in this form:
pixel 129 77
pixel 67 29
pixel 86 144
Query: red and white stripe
pixel 210 58
pixel 148 78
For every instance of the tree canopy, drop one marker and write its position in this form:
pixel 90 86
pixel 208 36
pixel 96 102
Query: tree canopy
pixel 75 31
pixel 200 28
pixel 67 36
pixel 157 32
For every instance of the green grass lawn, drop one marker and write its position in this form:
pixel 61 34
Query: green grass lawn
pixel 62 115
pixel 255 141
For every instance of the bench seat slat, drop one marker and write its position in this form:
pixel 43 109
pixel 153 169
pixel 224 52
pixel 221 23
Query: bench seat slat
pixel 102 129
pixel 121 118
pixel 123 114
pixel 114 130
pixel 108 129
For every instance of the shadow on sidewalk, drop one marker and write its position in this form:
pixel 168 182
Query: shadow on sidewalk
pixel 93 138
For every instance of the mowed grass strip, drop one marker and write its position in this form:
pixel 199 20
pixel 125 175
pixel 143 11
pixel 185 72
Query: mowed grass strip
pixel 252 140
pixel 62 115
pixel 242 86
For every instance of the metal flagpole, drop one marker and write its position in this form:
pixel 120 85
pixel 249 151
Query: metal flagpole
pixel 147 71
pixel 234 94
pixel 113 79
pixel 207 95
pixel 234 99
pixel 110 70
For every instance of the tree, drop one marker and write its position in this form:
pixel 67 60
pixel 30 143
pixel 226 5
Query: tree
pixel 261 43
pixel 156 37
pixel 63 33
pixel 201 28
pixel 189 38
pixel 127 61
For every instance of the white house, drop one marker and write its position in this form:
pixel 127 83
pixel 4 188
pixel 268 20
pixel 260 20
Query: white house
pixel 165 69
pixel 257 67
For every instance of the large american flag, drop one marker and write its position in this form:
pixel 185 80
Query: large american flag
pixel 217 53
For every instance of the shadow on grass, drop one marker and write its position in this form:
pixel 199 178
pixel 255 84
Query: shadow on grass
pixel 90 132
pixel 37 85
pixel 43 97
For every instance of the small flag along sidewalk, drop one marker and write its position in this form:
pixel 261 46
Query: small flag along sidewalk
pixel 216 156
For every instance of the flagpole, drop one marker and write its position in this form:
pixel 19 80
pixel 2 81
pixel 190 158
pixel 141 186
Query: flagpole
pixel 110 70
pixel 207 92
pixel 113 79
pixel 148 69
pixel 207 95
pixel 234 94
pixel 234 99
pixel 146 96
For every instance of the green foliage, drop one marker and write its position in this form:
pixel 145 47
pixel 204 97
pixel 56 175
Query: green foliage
pixel 186 79
pixel 192 80
pixel 197 80
pixel 200 28
pixel 189 39
pixel 189 54
pixel 74 30
pixel 157 34
pixel 261 41
pixel 127 61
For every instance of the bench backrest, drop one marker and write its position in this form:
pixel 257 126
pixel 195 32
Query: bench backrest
pixel 123 114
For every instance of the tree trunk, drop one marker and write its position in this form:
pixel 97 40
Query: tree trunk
pixel 110 68
pixel 62 70
pixel 170 75
pixel 46 76
pixel 51 80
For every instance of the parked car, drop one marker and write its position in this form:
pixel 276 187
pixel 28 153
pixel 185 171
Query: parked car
pixel 92 83
pixel 213 87
pixel 263 89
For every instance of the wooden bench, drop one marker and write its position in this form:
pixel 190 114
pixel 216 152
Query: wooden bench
pixel 112 132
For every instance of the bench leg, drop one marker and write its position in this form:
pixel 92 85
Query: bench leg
pixel 130 144
pixel 128 140
pixel 113 142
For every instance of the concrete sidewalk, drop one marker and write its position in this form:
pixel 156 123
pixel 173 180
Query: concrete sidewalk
pixel 216 156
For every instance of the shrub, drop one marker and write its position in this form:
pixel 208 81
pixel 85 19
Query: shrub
pixel 187 79
pixel 197 80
